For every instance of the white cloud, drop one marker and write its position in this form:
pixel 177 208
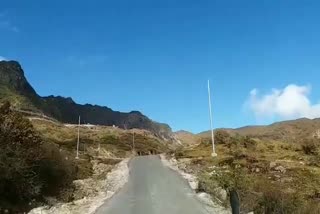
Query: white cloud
pixel 2 58
pixel 290 102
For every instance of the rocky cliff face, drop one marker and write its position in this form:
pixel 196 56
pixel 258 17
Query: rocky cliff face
pixel 15 88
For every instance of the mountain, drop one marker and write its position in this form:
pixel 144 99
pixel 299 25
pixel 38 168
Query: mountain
pixel 187 138
pixel 286 130
pixel 15 88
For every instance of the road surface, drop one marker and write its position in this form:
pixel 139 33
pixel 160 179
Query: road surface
pixel 153 189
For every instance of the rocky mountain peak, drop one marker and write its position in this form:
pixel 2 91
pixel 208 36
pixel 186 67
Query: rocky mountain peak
pixel 12 76
pixel 15 88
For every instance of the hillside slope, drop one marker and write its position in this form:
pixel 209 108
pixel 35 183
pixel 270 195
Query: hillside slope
pixel 187 138
pixel 15 88
pixel 285 130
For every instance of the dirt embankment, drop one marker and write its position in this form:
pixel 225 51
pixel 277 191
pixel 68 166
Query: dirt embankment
pixel 91 193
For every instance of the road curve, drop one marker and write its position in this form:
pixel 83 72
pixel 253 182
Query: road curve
pixel 153 189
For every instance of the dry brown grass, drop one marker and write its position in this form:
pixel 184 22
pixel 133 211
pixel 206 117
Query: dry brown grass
pixel 113 141
pixel 287 131
pixel 244 164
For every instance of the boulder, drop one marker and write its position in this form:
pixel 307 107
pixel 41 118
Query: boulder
pixel 221 193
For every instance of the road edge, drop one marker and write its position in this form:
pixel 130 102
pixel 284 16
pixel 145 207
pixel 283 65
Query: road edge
pixel 113 182
pixel 203 197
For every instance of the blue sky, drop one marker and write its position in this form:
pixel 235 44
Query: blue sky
pixel 156 56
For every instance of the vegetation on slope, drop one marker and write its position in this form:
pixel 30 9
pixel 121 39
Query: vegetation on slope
pixel 113 142
pixel 37 159
pixel 270 176
pixel 30 169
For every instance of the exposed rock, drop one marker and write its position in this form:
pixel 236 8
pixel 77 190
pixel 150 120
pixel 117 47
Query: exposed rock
pixel 277 176
pixel 286 180
pixel 280 169
pixel 15 88
pixel 302 163
pixel 221 193
pixel 272 165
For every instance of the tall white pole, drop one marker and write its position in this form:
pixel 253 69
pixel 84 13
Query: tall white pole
pixel 133 143
pixel 78 142
pixel 214 154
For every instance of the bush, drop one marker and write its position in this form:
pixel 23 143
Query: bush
pixel 222 137
pixel 310 146
pixel 29 169
pixel 55 172
pixel 275 200
pixel 19 157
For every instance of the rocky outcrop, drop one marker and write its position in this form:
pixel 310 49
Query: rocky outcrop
pixel 15 88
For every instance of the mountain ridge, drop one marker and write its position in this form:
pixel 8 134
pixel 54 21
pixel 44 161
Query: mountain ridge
pixel 282 130
pixel 15 88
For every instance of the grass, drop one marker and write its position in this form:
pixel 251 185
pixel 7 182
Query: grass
pixel 244 164
pixel 117 142
pixel 16 100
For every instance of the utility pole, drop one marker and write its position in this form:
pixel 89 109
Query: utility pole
pixel 78 142
pixel 133 143
pixel 213 154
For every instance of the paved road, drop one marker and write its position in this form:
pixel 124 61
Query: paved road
pixel 153 189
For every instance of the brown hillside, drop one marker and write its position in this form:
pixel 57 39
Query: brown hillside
pixel 286 130
pixel 187 138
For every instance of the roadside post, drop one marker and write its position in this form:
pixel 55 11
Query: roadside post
pixel 78 141
pixel 133 145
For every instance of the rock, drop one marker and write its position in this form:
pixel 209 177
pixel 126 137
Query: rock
pixel 212 167
pixel 272 165
pixel 221 193
pixel 277 176
pixel 205 198
pixel 257 170
pixel 280 169
pixel 286 180
pixel 302 163
pixel 317 195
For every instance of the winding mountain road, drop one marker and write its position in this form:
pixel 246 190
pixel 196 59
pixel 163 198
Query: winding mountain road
pixel 153 189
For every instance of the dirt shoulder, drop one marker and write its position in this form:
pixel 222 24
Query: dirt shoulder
pixel 91 193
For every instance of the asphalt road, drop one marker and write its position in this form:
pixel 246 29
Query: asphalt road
pixel 153 189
